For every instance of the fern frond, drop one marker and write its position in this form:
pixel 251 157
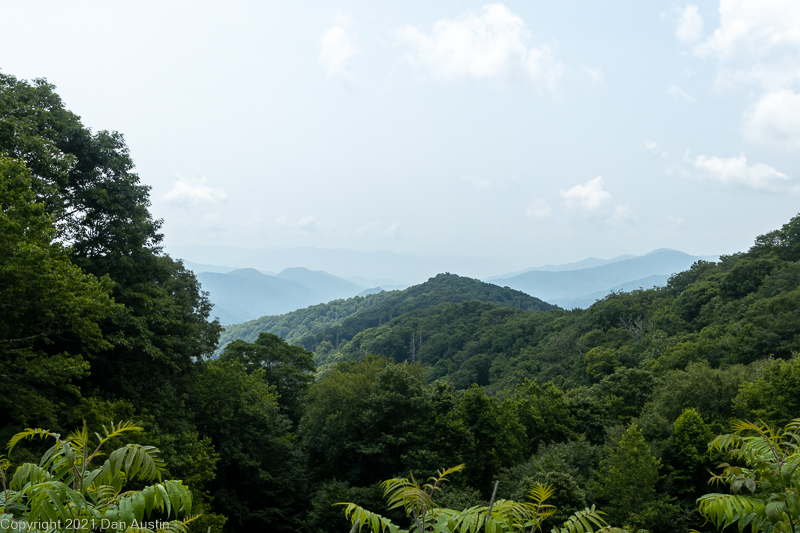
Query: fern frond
pixel 28 475
pixel 179 526
pixel 724 510
pixel 117 430
pixel 452 470
pixel 54 500
pixel 466 521
pixel 30 433
pixel 540 493
pixel 80 437
pixel 740 426
pixel 373 521
pixel 410 498
pixel 587 521
pixel 172 498
pixel 133 460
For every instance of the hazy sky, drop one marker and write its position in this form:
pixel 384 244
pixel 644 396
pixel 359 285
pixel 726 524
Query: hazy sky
pixel 539 131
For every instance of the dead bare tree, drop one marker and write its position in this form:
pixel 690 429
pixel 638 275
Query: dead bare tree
pixel 638 326
pixel 415 347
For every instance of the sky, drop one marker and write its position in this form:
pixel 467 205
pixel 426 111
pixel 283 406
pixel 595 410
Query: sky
pixel 539 132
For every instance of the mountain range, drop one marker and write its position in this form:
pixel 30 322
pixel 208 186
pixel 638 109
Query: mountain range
pixel 340 320
pixel 406 269
pixel 243 294
pixel 580 287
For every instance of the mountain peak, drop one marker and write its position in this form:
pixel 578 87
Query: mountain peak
pixel 662 250
pixel 250 273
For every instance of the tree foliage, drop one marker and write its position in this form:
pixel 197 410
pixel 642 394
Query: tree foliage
pixel 628 476
pixel 86 184
pixel 259 479
pixel 773 395
pixel 290 369
pixel 49 309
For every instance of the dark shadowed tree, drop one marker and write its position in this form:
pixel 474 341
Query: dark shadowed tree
pixel 287 367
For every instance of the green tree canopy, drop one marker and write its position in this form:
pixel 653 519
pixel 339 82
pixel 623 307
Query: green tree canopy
pixel 689 454
pixel 628 476
pixel 86 183
pixel 774 396
pixel 49 310
pixel 287 367
pixel 259 477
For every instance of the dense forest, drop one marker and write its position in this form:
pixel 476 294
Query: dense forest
pixel 613 406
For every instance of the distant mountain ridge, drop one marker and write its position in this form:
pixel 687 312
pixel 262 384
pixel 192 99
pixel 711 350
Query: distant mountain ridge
pixel 326 286
pixel 581 288
pixel 246 293
pixel 589 262
pixel 405 268
pixel 586 300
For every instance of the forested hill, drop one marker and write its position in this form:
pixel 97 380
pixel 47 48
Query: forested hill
pixel 297 324
pixel 745 307
pixel 339 321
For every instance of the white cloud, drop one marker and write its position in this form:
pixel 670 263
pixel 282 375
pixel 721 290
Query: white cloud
pixel 690 25
pixel 480 183
pixel 337 48
pixel 674 91
pixel 539 208
pixel 775 120
pixel 756 26
pixel 760 39
pixel 653 147
pixel 758 42
pixel 590 196
pixel 488 45
pixel 308 224
pixel 736 171
pixel 193 191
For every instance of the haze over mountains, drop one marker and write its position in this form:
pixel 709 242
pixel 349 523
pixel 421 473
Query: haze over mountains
pixel 406 269
pixel 570 286
pixel 340 321
pixel 242 294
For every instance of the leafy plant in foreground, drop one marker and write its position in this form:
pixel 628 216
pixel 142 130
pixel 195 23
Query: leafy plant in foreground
pixel 65 492
pixel 498 517
pixel 770 473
